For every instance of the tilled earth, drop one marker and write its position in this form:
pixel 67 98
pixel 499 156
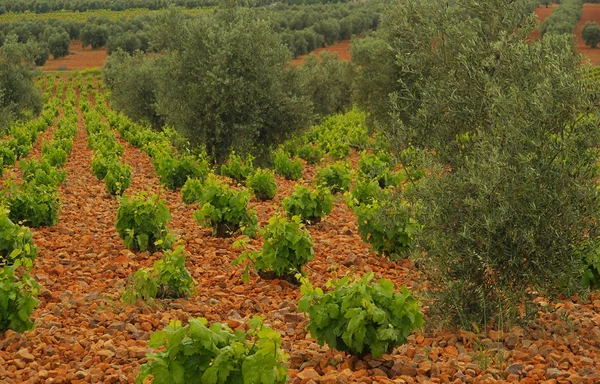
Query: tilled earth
pixel 85 334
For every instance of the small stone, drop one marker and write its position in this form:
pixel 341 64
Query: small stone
pixel 514 369
pixel 309 374
pixel 137 352
pixel 106 353
pixel 409 370
pixel 238 289
pixel 117 326
pixel 555 373
pixel 80 375
pixel 25 355
pixel 511 340
pixel 234 324
pixel 293 318
pixel 546 350
pixel 587 361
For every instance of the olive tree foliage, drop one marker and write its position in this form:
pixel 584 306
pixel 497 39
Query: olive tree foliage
pixel 133 81
pixel 326 82
pixel 514 131
pixel 19 98
pixel 58 44
pixel 590 32
pixel 223 82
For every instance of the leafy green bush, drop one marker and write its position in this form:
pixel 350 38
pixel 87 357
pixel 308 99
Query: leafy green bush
pixel 7 154
pixel 42 173
pixel 174 172
pixel 191 192
pixel 263 184
pixel 286 167
pixel 365 191
pixel 142 223
pixel 388 227
pixel 311 153
pixel 225 210
pixel 16 243
pixel 287 248
pixel 338 133
pixel 590 32
pixel 168 279
pixel 360 317
pixel 379 167
pixel 590 253
pixel 33 205
pixel 100 165
pixel 215 354
pixel 236 168
pixel 56 156
pixel 311 205
pixel 17 300
pixel 337 177
pixel 117 178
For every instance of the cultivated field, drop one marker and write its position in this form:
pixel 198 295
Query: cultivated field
pixel 84 333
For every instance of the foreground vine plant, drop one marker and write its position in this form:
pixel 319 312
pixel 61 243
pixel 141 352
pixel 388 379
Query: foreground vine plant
pixel 214 354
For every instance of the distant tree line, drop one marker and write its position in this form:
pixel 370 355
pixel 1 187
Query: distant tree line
pixel 302 28
pixel 45 6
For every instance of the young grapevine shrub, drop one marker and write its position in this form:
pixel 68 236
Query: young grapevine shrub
pixel 195 353
pixel 311 153
pixel 337 177
pixel 361 316
pixel 286 167
pixel 236 168
pixel 7 154
pixel 263 184
pixel 174 172
pixel 287 247
pixel 225 210
pixel 53 154
pixel 117 178
pixel 388 227
pixel 191 192
pixel 100 165
pixel 379 167
pixel 41 173
pixel 16 243
pixel 365 191
pixel 311 205
pixel 17 300
pixel 142 223
pixel 168 278
pixel 33 205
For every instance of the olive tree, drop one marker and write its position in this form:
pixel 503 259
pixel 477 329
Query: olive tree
pixel 512 124
pixel 591 34
pixel 224 83
pixel 19 98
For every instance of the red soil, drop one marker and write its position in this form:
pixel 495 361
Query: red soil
pixel 342 49
pixel 79 58
pixel 84 58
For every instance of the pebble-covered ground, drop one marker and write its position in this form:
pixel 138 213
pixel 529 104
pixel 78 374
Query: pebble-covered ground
pixel 84 334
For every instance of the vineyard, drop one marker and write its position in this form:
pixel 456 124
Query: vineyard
pixel 87 263
pixel 206 210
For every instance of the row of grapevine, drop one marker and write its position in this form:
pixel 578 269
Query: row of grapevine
pixel 33 202
pixel 107 164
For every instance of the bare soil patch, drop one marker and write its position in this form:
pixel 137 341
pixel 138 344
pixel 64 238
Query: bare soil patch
pixel 79 58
